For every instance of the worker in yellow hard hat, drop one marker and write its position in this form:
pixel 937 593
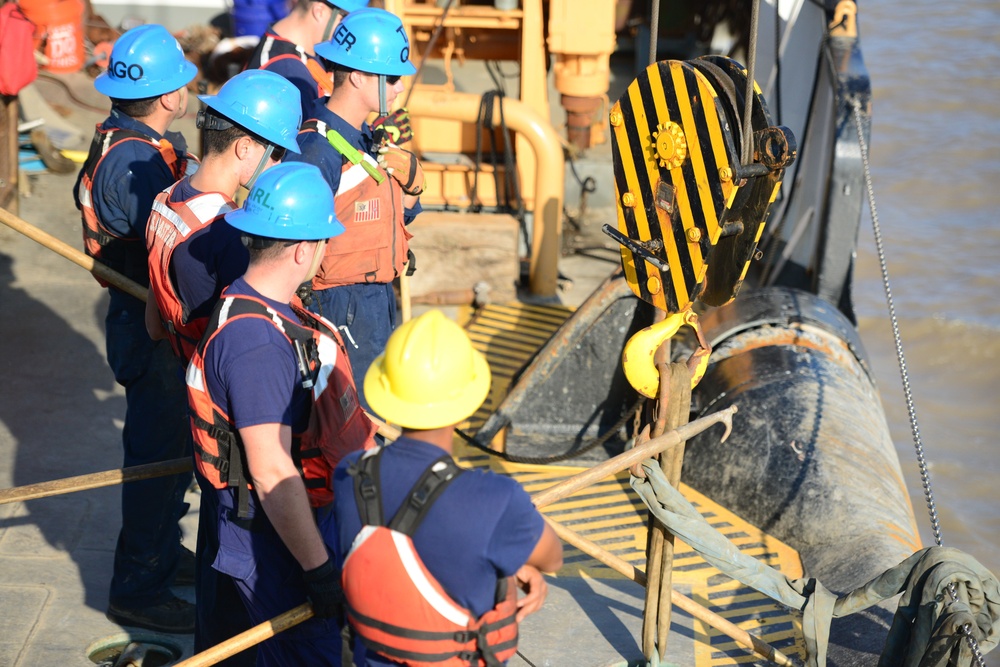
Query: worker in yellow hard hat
pixel 480 538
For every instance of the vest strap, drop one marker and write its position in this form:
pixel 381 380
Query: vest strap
pixel 434 480
pixel 438 476
pixel 366 484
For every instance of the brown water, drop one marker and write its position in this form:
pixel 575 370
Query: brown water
pixel 935 150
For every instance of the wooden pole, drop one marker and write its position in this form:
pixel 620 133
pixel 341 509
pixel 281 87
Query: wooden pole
pixel 635 455
pixel 95 480
pixel 72 254
pixel 551 495
pixel 9 165
pixel 707 616
pixel 405 302
pixel 678 412
pixel 390 433
pixel 138 473
pixel 655 530
pixel 116 279
pixel 303 612
pixel 251 637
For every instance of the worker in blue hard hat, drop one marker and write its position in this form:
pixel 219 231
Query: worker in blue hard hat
pixel 248 127
pixel 287 47
pixel 132 158
pixel 377 185
pixel 193 255
pixel 274 409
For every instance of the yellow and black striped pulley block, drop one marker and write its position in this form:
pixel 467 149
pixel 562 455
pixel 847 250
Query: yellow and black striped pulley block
pixel 773 150
pixel 678 179
pixel 672 152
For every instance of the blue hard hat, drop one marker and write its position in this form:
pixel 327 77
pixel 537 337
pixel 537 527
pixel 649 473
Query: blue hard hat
pixel 145 62
pixel 290 201
pixel 258 101
pixel 348 5
pixel 370 40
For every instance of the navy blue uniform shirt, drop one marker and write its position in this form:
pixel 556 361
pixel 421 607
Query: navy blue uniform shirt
pixel 316 149
pixel 130 177
pixel 206 263
pixel 482 527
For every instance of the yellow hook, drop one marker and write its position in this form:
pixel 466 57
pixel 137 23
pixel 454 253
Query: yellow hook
pixel 637 358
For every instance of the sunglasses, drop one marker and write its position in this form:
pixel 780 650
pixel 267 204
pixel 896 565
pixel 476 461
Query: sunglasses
pixel 391 80
pixel 277 152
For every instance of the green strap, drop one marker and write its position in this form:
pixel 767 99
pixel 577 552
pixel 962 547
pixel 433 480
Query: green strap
pixel 926 622
pixel 342 146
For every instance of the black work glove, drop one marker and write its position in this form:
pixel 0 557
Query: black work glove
pixel 324 590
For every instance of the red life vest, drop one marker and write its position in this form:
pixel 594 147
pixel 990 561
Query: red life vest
pixel 125 255
pixel 374 246
pixel 337 424
pixel 272 48
pixel 395 604
pixel 171 224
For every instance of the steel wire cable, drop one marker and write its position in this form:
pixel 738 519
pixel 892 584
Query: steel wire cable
pixel 748 93
pixel 925 477
pixel 555 458
pixel 654 30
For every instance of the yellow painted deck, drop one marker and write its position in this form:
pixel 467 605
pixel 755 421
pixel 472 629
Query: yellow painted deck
pixel 612 515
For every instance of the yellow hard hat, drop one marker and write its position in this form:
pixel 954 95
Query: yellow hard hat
pixel 429 376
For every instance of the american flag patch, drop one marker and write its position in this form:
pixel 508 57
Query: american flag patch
pixel 348 403
pixel 366 211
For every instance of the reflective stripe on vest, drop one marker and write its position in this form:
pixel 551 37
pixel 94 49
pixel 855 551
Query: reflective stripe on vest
pixel 337 424
pixel 124 255
pixel 274 47
pixel 423 626
pixel 374 245
pixel 170 225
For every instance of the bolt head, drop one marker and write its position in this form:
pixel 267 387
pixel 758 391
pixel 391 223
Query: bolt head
pixel 726 174
pixel 628 200
pixel 616 118
pixel 694 234
pixel 653 285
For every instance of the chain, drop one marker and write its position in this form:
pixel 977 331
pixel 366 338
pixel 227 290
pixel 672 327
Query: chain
pixel 925 477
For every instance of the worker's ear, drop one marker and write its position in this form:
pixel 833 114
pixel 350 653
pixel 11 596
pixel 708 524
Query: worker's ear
pixel 171 101
pixel 357 78
pixel 320 12
pixel 304 252
pixel 243 146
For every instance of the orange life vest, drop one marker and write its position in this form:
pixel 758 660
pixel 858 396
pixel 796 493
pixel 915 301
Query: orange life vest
pixel 395 604
pixel 374 246
pixel 125 255
pixel 171 224
pixel 337 424
pixel 273 47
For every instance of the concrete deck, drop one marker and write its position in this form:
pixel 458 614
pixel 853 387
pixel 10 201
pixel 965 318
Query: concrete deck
pixel 61 415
